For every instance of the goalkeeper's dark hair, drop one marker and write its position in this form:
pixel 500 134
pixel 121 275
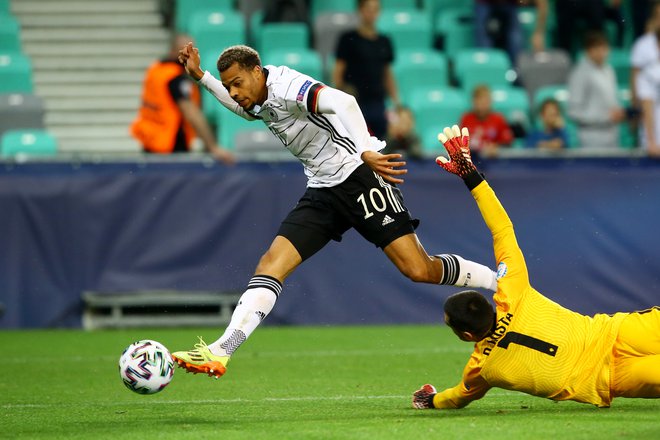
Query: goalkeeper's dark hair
pixel 469 311
pixel 246 57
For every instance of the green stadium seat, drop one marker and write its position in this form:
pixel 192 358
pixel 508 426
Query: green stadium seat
pixel 277 36
pixel 456 28
pixel 230 124
pixel 213 29
pixel 184 9
pixel 409 29
pixel 28 142
pixel 434 7
pixel 303 60
pixel 513 103
pixel 398 5
pixel 437 107
pixel 322 6
pixel 421 68
pixel 10 32
pixel 620 61
pixel 15 72
pixel 482 66
pixel 4 7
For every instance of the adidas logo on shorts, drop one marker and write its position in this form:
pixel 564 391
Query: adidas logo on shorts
pixel 387 220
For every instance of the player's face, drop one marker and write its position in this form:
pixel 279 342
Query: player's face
pixel 245 86
pixel 370 11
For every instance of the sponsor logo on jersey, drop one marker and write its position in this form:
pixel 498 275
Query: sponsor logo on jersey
pixel 303 89
pixel 387 220
pixel 501 270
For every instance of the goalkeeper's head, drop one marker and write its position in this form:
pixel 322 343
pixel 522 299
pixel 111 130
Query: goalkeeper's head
pixel 470 315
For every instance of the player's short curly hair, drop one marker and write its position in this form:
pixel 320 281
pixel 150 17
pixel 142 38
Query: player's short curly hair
pixel 469 311
pixel 245 56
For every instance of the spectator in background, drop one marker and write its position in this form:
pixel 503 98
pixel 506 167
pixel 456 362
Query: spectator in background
pixel 552 135
pixel 363 68
pixel 593 102
pixel 488 129
pixel 648 92
pixel 170 116
pixel 645 50
pixel 401 135
pixel 573 15
pixel 497 25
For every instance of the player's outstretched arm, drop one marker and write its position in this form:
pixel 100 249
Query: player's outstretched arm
pixel 507 251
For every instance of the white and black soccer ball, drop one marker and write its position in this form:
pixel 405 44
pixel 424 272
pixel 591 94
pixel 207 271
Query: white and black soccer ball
pixel 146 367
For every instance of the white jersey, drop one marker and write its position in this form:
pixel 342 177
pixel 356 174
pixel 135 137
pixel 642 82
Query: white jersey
pixel 319 141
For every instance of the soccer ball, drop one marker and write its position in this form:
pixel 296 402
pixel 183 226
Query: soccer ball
pixel 146 367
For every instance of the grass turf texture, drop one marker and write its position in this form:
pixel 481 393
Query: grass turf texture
pixel 284 383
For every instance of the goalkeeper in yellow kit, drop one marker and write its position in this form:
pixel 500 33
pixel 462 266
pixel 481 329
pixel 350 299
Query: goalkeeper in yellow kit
pixel 529 343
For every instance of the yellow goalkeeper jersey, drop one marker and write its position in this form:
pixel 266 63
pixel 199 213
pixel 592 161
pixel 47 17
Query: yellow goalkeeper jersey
pixel 537 347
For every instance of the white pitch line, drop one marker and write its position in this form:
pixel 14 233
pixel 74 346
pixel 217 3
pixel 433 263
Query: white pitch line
pixel 287 354
pixel 240 400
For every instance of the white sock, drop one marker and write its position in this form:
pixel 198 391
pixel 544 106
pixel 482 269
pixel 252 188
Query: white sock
pixel 460 272
pixel 253 307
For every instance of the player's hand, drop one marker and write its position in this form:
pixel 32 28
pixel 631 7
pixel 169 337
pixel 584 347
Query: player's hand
pixel 223 155
pixel 189 57
pixel 457 144
pixel 385 165
pixel 423 397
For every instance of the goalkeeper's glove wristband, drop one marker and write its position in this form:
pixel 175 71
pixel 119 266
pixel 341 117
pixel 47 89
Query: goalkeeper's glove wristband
pixel 473 179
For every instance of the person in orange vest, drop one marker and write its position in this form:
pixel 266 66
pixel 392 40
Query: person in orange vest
pixel 170 116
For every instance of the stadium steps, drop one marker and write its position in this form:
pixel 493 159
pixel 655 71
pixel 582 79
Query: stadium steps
pixel 89 59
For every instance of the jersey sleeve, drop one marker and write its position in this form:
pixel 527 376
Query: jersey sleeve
pixel 215 87
pixel 512 273
pixel 472 387
pixel 303 91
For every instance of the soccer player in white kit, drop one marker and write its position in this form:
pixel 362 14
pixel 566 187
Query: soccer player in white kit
pixel 350 185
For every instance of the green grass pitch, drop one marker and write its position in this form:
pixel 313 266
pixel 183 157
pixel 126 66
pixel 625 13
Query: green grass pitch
pixel 284 383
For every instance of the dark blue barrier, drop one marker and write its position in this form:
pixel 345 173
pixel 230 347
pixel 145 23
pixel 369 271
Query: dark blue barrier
pixel 589 230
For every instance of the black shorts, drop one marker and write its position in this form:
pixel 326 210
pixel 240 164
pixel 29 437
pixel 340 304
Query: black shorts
pixel 364 201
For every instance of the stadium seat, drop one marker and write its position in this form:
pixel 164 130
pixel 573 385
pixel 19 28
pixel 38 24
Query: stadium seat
pixel 328 27
pixel 433 7
pixel 213 29
pixel 259 144
pixel 21 111
pixel 408 29
pixel 482 66
pixel 28 142
pixel 437 107
pixel 303 60
pixel 423 68
pixel 398 5
pixel 620 61
pixel 277 36
pixel 513 103
pixel 541 69
pixel 455 27
pixel 15 73
pixel 323 6
pixel 10 32
pixel 184 9
pixel 229 124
